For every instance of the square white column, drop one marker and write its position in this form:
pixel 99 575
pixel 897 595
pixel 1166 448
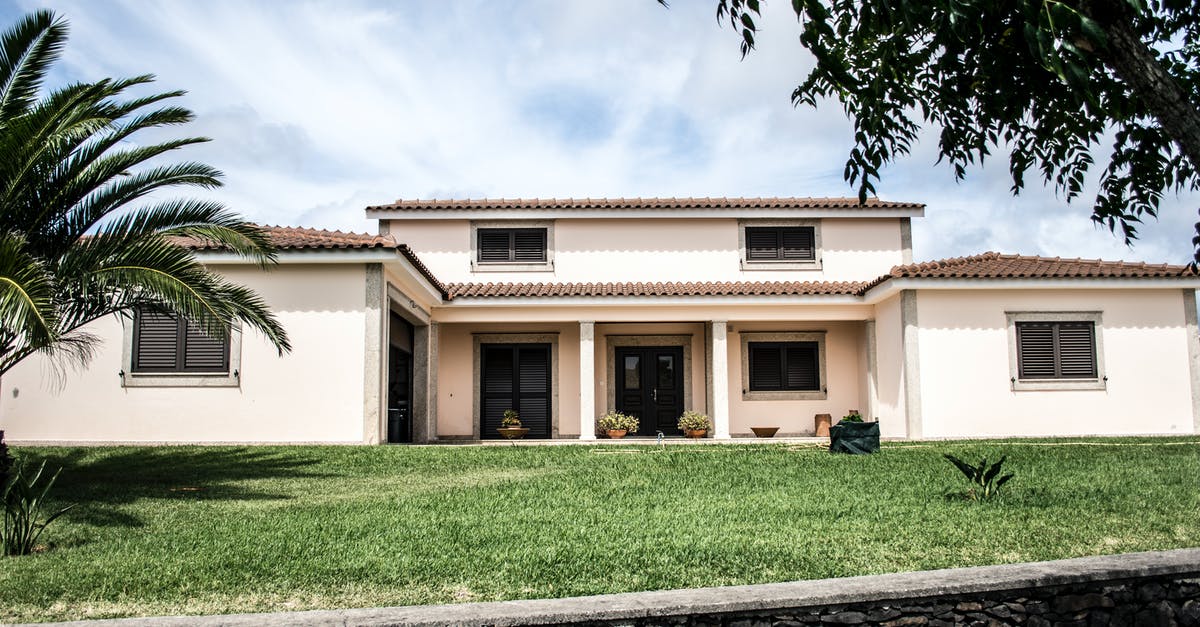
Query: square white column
pixel 720 380
pixel 587 380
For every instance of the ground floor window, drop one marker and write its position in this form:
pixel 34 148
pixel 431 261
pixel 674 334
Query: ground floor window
pixel 783 365
pixel 1056 350
pixel 517 377
pixel 791 366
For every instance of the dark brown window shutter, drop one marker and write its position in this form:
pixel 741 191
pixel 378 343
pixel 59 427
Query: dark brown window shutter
pixel 766 367
pixel 204 353
pixel 494 245
pixel 529 245
pixel 780 243
pixel 165 343
pixel 1056 350
pixel 802 366
pixel 515 376
pixel 788 366
pixel 156 341
pixel 511 245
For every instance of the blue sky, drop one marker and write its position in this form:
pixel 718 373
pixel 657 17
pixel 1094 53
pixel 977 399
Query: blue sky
pixel 317 109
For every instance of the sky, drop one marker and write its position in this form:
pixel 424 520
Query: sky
pixel 318 109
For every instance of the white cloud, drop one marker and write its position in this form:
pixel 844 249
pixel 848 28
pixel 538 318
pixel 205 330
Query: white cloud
pixel 317 109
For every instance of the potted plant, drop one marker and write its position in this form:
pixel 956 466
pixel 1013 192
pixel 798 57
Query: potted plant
pixel 852 435
pixel 694 424
pixel 510 425
pixel 616 425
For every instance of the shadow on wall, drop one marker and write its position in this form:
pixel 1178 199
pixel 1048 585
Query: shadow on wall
pixel 101 480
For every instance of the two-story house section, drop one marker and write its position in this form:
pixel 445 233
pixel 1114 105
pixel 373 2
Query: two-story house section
pixel 757 312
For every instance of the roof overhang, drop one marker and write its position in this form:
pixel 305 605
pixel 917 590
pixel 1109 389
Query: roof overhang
pixel 393 259
pixel 893 286
pixel 473 213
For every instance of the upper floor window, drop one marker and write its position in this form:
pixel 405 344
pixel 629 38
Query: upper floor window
pixel 1056 350
pixel 512 246
pixel 780 245
pixel 165 350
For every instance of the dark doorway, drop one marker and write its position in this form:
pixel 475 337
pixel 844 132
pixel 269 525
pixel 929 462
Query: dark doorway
pixel 400 381
pixel 650 386
pixel 515 376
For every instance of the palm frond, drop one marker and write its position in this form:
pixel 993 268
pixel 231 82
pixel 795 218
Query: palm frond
pixel 26 294
pixel 27 49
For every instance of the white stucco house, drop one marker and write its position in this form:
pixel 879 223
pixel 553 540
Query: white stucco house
pixel 758 312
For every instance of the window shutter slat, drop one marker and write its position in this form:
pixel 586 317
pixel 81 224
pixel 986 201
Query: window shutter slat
pixel 802 367
pixel 766 367
pixel 1076 351
pixel 204 353
pixel 762 243
pixel 494 245
pixel 529 245
pixel 499 372
pixel 157 347
pixel 1036 350
pixel 798 243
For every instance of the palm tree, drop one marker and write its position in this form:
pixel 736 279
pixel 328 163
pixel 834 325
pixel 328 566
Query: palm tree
pixel 80 236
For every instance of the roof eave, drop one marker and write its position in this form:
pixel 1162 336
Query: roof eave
pixel 467 213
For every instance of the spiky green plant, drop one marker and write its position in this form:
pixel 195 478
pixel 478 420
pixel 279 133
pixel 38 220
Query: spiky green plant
pixel 80 235
pixel 985 479
pixel 24 499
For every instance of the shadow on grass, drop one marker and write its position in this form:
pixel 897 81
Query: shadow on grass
pixel 101 481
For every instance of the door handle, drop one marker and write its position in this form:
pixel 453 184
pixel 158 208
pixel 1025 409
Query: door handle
pixel 654 394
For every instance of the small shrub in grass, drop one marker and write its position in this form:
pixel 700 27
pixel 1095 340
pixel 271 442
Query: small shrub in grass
pixel 617 421
pixel 853 416
pixel 24 499
pixel 986 480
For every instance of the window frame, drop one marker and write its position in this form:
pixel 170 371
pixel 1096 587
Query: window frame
pixel 1018 384
pixel 231 377
pixel 783 338
pixel 512 266
pixel 778 264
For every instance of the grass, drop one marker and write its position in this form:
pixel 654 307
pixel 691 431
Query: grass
pixel 188 530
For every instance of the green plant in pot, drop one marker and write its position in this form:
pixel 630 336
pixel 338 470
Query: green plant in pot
pixel 694 424
pixel 510 425
pixel 616 424
pixel 853 435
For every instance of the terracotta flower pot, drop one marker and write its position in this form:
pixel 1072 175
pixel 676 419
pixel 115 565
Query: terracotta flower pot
pixel 513 433
pixel 617 434
pixel 764 432
pixel 695 433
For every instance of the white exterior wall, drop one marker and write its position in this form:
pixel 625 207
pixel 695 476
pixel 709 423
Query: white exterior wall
pixel 965 376
pixel 651 249
pixel 313 394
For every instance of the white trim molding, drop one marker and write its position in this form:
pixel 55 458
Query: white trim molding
pixel 817 336
pixel 748 264
pixel 1192 327
pixel 543 266
pixel 1023 385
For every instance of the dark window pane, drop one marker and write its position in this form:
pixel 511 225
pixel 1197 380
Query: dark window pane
pixel 157 337
pixel 666 371
pixel 633 372
pixel 1076 350
pixel 802 366
pixel 494 245
pixel 762 243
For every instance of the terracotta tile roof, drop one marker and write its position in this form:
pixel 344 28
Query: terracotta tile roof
pixel 993 265
pixel 642 203
pixel 298 238
pixel 740 288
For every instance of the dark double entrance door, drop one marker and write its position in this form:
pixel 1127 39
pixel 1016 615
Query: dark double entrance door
pixel 650 386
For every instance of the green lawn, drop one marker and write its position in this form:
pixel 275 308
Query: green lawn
pixel 233 529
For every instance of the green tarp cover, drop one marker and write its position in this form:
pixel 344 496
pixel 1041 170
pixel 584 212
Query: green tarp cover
pixel 855 438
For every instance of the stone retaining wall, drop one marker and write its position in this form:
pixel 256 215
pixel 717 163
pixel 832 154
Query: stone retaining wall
pixel 1138 589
